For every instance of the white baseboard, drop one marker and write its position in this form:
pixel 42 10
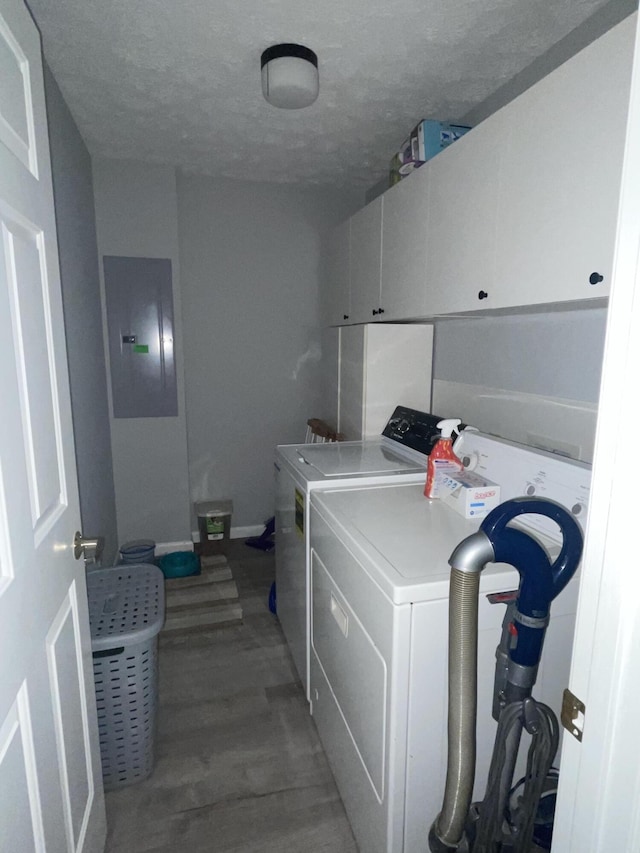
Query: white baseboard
pixel 169 547
pixel 249 530
pixel 236 533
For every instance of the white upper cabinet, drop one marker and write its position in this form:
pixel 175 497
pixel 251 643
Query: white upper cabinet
pixel 404 248
pixel 366 240
pixel 560 178
pixel 463 200
pixel 519 212
pixel 337 291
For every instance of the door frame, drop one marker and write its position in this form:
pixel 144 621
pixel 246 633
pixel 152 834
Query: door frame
pixel 599 786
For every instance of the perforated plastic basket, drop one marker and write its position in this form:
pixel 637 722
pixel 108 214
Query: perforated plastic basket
pixel 126 611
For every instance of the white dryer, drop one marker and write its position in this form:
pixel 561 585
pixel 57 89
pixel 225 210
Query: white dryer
pixel 379 634
pixel 399 455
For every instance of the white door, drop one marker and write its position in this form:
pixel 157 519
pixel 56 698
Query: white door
pixel 364 266
pixel 599 795
pixel 50 783
pixel 556 227
pixel 404 260
pixel 336 291
pixel 461 235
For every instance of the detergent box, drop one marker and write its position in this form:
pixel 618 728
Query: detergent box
pixel 432 136
pixel 426 140
pixel 471 495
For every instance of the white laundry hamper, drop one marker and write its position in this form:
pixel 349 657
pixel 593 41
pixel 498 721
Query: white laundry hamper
pixel 126 611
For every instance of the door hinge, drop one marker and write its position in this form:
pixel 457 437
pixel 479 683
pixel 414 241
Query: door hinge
pixel 572 716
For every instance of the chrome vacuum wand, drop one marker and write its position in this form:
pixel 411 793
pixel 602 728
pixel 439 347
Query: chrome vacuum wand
pixel 517 656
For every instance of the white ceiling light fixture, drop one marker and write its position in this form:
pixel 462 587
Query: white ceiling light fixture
pixel 289 76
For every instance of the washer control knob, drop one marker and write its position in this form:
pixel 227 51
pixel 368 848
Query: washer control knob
pixel 470 460
pixel 531 490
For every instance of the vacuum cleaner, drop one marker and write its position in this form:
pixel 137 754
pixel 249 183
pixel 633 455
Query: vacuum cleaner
pixel 265 541
pixel 493 826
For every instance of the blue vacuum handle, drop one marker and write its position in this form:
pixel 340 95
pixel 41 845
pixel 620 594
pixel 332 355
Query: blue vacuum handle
pixel 564 566
pixel 540 580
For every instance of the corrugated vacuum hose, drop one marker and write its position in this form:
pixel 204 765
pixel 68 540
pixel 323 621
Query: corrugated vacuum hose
pixel 463 677
pixel 540 582
pixel 541 723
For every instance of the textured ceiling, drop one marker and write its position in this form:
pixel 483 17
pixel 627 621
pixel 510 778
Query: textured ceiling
pixel 179 82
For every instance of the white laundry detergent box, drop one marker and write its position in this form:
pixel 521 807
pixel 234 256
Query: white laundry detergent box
pixel 471 495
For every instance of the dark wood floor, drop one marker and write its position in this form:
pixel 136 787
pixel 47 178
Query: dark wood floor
pixel 238 763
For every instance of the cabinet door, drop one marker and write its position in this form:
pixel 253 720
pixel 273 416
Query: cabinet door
pixel 404 248
pixel 351 382
pixel 463 198
pixel 336 292
pixel 561 175
pixel 382 366
pixel 397 371
pixel 366 239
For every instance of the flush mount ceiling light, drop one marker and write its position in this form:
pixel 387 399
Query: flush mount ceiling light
pixel 289 76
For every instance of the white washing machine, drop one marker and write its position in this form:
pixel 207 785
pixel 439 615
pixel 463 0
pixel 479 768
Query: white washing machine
pixel 398 455
pixel 379 633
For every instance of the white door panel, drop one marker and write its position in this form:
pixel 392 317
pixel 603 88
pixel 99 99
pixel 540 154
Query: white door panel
pixel 19 791
pixel 17 126
pixel 50 781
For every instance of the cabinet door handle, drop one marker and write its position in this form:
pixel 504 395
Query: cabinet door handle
pixel 374 312
pixel 482 294
pixel 380 310
pixel 595 278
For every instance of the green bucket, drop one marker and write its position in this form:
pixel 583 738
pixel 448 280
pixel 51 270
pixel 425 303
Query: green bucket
pixel 180 564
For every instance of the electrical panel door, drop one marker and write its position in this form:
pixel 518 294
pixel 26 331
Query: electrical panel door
pixel 141 336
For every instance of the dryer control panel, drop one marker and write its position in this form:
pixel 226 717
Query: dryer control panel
pixel 525 471
pixel 414 429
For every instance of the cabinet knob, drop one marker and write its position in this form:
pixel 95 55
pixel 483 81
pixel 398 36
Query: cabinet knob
pixel 482 294
pixel 380 310
pixel 374 312
pixel 345 316
pixel 595 278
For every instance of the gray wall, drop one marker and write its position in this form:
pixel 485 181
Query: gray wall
pixel 599 23
pixel 554 354
pixel 73 195
pixel 250 271
pixel 136 215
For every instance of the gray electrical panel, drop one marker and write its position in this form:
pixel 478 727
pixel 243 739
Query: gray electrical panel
pixel 141 337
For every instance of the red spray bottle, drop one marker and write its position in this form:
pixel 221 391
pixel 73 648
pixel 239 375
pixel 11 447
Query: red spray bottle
pixel 442 458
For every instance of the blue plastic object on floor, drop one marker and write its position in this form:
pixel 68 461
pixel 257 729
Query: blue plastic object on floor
pixel 138 551
pixel 265 541
pixel 272 599
pixel 180 564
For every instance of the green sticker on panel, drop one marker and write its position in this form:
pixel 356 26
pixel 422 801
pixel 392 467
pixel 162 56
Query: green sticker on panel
pixel 141 347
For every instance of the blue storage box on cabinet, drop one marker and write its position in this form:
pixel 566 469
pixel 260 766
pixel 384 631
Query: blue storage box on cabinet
pixel 433 136
pixel 126 613
pixel 426 140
